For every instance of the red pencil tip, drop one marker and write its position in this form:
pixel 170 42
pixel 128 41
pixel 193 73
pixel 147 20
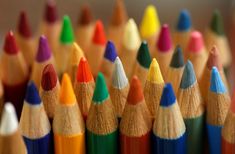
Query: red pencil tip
pixel 23 25
pixel 86 16
pixel 195 42
pixel 84 73
pixel 135 94
pixel 214 59
pixel 51 14
pixel 10 45
pixel 164 43
pixel 99 35
pixel 49 78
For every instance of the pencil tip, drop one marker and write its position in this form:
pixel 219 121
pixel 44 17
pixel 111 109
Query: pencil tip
pixel 76 54
pixel 23 25
pixel 44 52
pixel 84 73
pixel 119 79
pixel 9 122
pixel 49 77
pixel 101 91
pixel 99 34
pixel 67 95
pixel 143 55
pixel 195 42
pixel 150 23
pixel 86 15
pixel 216 84
pixel 214 59
pixel 177 60
pixel 66 35
pixel 110 51
pixel 164 42
pixel 168 96
pixel 135 94
pixel 216 24
pixel 10 45
pixel 188 77
pixel 32 96
pixel 51 14
pixel 184 21
pixel 154 73
pixel 119 15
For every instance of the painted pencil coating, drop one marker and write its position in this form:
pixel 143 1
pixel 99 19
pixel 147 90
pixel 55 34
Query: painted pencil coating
pixel 214 136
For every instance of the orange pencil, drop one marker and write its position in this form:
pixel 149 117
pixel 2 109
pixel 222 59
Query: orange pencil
pixel 85 28
pixel 68 125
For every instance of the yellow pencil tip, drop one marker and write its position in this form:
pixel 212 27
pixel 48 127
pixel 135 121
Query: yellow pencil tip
pixel 150 23
pixel 67 95
pixel 76 54
pixel 154 74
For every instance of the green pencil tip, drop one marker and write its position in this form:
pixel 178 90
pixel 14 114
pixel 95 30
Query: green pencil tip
pixel 143 56
pixel 101 91
pixel 66 35
pixel 217 23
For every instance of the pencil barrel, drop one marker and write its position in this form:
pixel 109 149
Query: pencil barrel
pixel 214 138
pixel 227 147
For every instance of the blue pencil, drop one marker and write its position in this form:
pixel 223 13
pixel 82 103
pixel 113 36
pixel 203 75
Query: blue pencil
pixel 169 129
pixel 34 124
pixel 217 107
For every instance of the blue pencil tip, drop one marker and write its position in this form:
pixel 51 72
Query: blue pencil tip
pixel 216 84
pixel 188 77
pixel 32 95
pixel 168 96
pixel 110 51
pixel 184 21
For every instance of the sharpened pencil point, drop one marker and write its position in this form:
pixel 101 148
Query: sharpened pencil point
pixel 23 25
pixel 168 96
pixel 110 51
pixel 66 35
pixel 164 43
pixel 84 72
pixel 188 77
pixel 10 45
pixel 195 42
pixel 177 60
pixel 143 55
pixel 44 52
pixel 154 74
pixel 184 21
pixel 99 34
pixel 51 14
pixel 49 77
pixel 214 59
pixel 32 96
pixel 86 16
pixel 216 24
pixel 216 84
pixel 135 94
pixel 119 15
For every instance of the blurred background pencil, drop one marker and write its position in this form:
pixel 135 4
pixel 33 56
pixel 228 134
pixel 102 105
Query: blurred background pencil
pixel 153 87
pixel 192 108
pixel 84 87
pixel 102 124
pixel 14 73
pixel 169 135
pixel 34 124
pixel 119 88
pixel 68 125
pixel 176 68
pixel 11 141
pixel 135 137
pixel 217 107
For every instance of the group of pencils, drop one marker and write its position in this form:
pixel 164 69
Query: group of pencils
pixel 132 91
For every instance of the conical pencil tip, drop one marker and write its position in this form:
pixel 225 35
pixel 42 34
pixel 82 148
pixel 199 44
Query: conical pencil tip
pixel 216 84
pixel 66 35
pixel 44 52
pixel 177 60
pixel 51 14
pixel 84 73
pixel 164 43
pixel 188 77
pixel 10 45
pixel 154 74
pixel 216 24
pixel 23 25
pixel 214 59
pixel 143 55
pixel 86 15
pixel 195 42
pixel 110 51
pixel 32 96
pixel 184 21
pixel 168 96
pixel 49 77
pixel 119 15
pixel 99 34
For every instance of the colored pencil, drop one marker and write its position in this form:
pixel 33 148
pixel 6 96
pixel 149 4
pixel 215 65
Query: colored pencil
pixel 153 87
pixel 164 49
pixel 150 26
pixel 196 53
pixel 68 125
pixel 49 90
pixel 25 39
pixel 11 141
pixel 96 50
pixel 1 99
pixel 119 88
pixel 102 124
pixel 135 136
pixel 117 23
pixel 176 68
pixel 14 73
pixel 213 60
pixel 51 25
pixel 142 63
pixel 34 124
pixel 217 107
pixel 107 64
pixel 215 35
pixel 84 87
pixel 129 46
pixel 85 27
pixel 74 58
pixel 183 29
pixel 192 108
pixel 66 43
pixel 228 136
pixel 169 135
pixel 43 57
